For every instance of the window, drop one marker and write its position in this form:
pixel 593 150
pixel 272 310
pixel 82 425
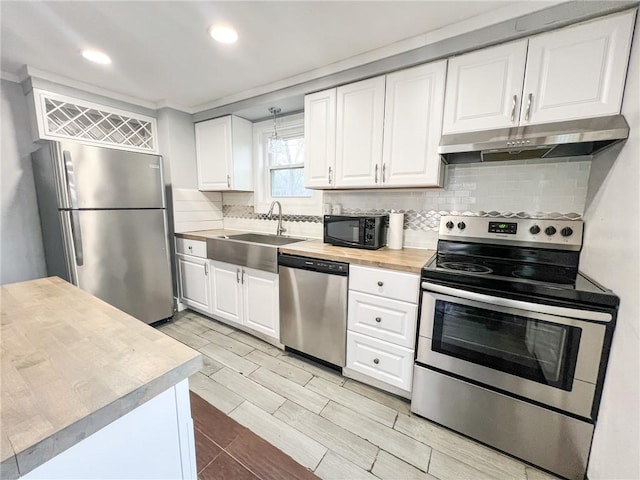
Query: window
pixel 281 177
pixel 286 169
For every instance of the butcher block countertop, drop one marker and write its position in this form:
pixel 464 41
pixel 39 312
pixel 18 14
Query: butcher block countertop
pixel 72 364
pixel 406 260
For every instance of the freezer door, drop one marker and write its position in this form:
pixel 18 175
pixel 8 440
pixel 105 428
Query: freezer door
pixel 93 177
pixel 121 257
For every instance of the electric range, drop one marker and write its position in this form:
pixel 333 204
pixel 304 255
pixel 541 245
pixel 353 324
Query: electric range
pixel 513 340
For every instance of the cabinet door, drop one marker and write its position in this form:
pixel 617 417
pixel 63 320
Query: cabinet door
pixel 226 291
pixel 213 154
pixel 193 282
pixel 383 318
pixel 577 72
pixel 359 122
pixel 384 361
pixel 261 301
pixel 413 125
pixel 320 139
pixel 484 88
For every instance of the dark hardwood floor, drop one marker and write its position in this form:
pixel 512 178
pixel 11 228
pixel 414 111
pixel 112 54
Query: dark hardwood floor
pixel 225 450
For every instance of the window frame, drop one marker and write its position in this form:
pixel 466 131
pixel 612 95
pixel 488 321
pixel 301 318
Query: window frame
pixel 287 126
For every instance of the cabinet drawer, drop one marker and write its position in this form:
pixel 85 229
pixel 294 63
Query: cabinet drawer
pixel 381 360
pixel 197 248
pixel 386 283
pixel 383 318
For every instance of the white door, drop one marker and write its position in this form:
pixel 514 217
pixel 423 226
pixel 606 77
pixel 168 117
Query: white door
pixel 484 88
pixel 577 72
pixel 413 125
pixel 359 122
pixel 261 302
pixel 213 154
pixel 320 139
pixel 226 291
pixel 193 282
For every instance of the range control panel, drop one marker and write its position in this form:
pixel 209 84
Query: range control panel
pixel 537 232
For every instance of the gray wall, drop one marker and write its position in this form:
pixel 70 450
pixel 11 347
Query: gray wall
pixel 611 255
pixel 178 146
pixel 22 255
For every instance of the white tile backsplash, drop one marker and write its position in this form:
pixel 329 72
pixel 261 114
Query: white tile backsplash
pixel 536 187
pixel 294 229
pixel 195 210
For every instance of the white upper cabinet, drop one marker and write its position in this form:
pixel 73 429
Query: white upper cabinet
pixel 320 139
pixel 380 132
pixel 412 126
pixel 577 72
pixel 224 154
pixel 484 88
pixel 571 73
pixel 359 123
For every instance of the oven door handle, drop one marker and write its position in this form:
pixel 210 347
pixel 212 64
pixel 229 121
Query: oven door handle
pixel 507 302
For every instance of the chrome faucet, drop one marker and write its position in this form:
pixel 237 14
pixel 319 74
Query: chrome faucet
pixel 280 230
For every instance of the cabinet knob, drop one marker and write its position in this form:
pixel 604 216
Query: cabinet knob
pixel 378 319
pixel 380 283
pixel 376 361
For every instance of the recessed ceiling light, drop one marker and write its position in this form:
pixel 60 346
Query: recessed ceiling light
pixel 223 33
pixel 96 56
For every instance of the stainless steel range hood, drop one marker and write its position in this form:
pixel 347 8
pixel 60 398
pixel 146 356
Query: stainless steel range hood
pixel 550 140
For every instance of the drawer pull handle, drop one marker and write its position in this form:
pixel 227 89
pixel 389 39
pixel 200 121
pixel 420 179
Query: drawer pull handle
pixel 376 361
pixel 380 283
pixel 378 319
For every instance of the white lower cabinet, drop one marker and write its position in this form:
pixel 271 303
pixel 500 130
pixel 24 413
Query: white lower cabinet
pixel 261 301
pixel 383 318
pixel 383 361
pixel 240 296
pixel 245 296
pixel 193 274
pixel 381 327
pixel 226 292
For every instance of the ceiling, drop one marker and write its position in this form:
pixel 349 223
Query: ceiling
pixel 162 53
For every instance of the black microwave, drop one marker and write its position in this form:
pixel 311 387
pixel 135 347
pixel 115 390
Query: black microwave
pixel 357 231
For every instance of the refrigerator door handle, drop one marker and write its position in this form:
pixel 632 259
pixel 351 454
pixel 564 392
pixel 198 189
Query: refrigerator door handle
pixel 68 240
pixel 71 179
pixel 76 232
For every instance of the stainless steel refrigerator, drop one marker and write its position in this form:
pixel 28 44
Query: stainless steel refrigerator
pixel 104 225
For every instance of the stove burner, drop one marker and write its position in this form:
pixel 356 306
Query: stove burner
pixel 465 267
pixel 548 275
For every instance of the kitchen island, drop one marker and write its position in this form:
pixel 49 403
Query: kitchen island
pixel 89 391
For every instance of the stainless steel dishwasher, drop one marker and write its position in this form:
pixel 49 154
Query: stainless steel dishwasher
pixel 313 307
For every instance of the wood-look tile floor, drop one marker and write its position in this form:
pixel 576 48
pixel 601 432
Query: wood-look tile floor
pixel 332 426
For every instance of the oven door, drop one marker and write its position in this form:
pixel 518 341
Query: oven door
pixel 539 352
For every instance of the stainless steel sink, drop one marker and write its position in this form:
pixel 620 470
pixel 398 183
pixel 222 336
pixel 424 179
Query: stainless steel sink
pixel 253 250
pixel 265 239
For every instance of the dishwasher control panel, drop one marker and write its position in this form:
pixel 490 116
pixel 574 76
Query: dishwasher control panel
pixel 313 264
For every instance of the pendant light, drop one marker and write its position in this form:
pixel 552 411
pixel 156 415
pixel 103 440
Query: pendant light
pixel 276 143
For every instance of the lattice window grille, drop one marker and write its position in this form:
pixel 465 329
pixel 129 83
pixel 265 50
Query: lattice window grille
pixel 87 123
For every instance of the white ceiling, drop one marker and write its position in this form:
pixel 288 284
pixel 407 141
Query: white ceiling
pixel 162 53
